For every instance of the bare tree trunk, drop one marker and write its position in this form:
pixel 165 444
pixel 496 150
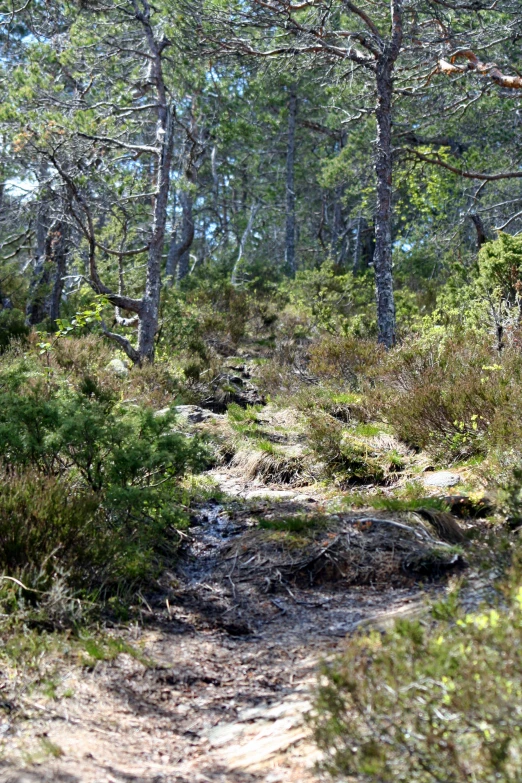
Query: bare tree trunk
pixel 59 258
pixel 290 183
pixel 48 276
pixel 246 232
pixel 339 239
pixel 178 256
pixel 482 232
pixel 382 257
pixel 364 245
pixel 150 305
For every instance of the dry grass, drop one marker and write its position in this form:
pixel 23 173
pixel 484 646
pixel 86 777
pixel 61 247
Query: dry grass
pixel 272 466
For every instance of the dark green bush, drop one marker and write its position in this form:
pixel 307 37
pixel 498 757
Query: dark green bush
pixel 427 703
pixel 334 299
pixel 500 267
pixel 12 327
pixel 89 482
pixel 123 451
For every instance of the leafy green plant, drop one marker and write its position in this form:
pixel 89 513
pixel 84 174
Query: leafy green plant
pixel 125 453
pixel 89 499
pixel 500 268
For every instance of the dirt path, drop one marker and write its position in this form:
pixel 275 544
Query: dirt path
pixel 226 691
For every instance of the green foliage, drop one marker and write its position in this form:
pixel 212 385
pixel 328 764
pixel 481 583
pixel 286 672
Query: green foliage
pixel 334 299
pixel 124 452
pixel 299 523
pixel 181 327
pixel 500 268
pixel 53 533
pixel 345 457
pixel 428 702
pixel 12 327
pixel 89 496
pixel 83 318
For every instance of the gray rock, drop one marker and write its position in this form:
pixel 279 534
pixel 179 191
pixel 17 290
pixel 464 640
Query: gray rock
pixel 194 414
pixel 118 367
pixel 441 478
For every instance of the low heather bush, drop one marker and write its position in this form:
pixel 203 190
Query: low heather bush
pixel 456 400
pixel 426 703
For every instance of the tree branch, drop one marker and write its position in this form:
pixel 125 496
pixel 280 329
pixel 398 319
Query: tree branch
pixel 473 64
pixel 437 161
pixel 132 147
pixel 123 342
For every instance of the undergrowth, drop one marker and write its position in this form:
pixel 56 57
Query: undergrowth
pixel 429 700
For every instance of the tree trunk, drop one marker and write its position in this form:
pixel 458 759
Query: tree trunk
pixel 290 184
pixel 483 235
pixel 339 240
pixel 48 276
pixel 150 305
pixel 382 257
pixel 178 258
pixel 242 244
pixel 59 258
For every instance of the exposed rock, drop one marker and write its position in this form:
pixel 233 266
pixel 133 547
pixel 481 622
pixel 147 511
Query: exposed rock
pixel 441 478
pixel 118 367
pixel 194 414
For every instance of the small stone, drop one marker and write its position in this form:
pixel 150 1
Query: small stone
pixel 441 478
pixel 118 367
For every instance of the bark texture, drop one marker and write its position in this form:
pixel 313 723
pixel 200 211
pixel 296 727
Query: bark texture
pixel 290 184
pixel 382 258
pixel 178 259
pixel 48 276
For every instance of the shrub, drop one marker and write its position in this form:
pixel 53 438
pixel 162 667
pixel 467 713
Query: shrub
pixel 63 546
pixel 423 703
pixel 334 299
pixel 456 400
pixel 500 268
pixel 123 455
pixel 12 327
pixel 344 358
pixel 346 457
pixel 81 356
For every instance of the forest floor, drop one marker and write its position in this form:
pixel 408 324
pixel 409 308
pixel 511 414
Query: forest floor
pixel 217 678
